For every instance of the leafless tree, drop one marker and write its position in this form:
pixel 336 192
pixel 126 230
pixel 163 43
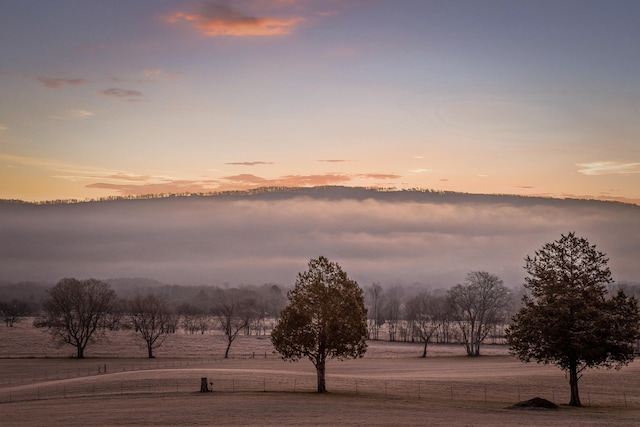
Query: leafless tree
pixel 275 299
pixel 477 306
pixel 75 311
pixel 374 299
pixel 151 317
pixel 14 311
pixel 193 318
pixel 393 310
pixel 233 308
pixel 422 310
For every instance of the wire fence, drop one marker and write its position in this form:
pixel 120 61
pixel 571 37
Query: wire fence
pixel 187 379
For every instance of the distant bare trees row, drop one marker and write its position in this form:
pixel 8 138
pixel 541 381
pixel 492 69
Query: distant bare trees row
pixel 78 312
pixel 467 313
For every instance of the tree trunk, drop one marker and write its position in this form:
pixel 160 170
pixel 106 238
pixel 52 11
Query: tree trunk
pixel 150 348
pixel 320 368
pixel 226 352
pixel 80 353
pixel 573 382
pixel 424 350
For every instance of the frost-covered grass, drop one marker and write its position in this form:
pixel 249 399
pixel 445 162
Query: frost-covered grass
pixel 41 385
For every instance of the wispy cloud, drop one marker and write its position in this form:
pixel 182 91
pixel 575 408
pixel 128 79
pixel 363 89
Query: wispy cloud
pixel 77 114
pixel 81 114
pixel 3 127
pixel 148 185
pixel 332 160
pixel 128 95
pixel 215 19
pixel 420 170
pixel 378 176
pixel 153 75
pixel 608 168
pixel 56 83
pixel 248 163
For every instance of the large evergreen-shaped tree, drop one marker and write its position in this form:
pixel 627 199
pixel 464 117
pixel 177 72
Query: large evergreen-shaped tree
pixel 326 318
pixel 569 319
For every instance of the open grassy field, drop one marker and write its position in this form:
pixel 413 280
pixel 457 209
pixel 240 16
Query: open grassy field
pixel 41 385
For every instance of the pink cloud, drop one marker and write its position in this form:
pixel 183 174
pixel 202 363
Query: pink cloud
pixel 214 19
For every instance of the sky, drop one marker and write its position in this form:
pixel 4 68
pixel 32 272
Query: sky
pixel 172 96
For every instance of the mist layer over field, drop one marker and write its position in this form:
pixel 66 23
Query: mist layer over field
pixel 389 237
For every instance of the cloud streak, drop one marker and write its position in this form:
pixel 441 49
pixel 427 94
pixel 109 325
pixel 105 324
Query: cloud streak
pixel 248 163
pixel 608 168
pixel 56 83
pixel 215 19
pixel 126 95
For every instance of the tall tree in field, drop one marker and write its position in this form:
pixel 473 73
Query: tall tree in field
pixel 569 319
pixel 75 310
pixel 326 318
pixel 151 317
pixel 477 306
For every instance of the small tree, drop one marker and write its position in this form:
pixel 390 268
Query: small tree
pixel 151 317
pixel 75 310
pixel 14 311
pixel 569 319
pixel 234 309
pixel 477 307
pixel 326 318
pixel 422 310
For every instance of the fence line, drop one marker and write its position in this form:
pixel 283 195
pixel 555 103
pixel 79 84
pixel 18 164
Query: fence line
pixel 115 385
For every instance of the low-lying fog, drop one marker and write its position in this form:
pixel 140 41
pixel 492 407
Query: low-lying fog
pixel 400 238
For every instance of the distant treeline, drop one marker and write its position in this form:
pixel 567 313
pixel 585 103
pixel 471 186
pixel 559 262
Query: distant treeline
pixel 333 192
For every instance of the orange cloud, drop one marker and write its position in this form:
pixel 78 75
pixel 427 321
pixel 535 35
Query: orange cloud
pixel 221 20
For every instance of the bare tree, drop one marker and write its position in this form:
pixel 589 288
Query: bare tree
pixel 477 306
pixel 193 318
pixel 444 317
pixel 14 311
pixel 151 317
pixel 422 310
pixel 113 320
pixel 233 308
pixel 392 310
pixel 276 300
pixel 374 299
pixel 75 310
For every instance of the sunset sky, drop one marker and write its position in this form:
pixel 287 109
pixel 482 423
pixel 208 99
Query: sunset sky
pixel 110 98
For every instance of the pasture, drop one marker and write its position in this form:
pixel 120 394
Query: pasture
pixel 116 385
